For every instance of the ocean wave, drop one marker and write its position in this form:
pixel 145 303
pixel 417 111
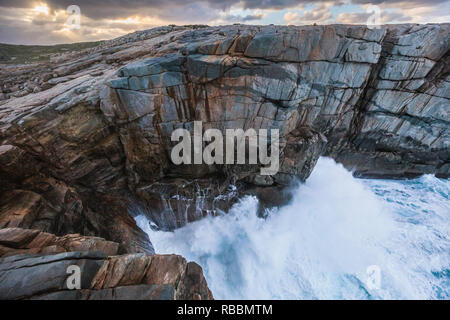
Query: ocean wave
pixel 326 242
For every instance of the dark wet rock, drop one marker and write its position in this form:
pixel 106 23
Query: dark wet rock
pixel 402 128
pixel 96 140
pixel 35 265
pixel 29 276
pixel 135 292
pixel 134 276
pixel 32 198
pixel 172 203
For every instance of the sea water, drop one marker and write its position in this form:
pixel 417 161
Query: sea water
pixel 339 238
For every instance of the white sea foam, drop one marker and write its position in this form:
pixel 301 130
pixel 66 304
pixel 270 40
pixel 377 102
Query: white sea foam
pixel 320 245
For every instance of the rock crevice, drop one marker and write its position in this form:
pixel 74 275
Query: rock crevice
pixel 93 143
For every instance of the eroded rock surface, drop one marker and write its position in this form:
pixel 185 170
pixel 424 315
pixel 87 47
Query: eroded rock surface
pixel 15 241
pixel 35 265
pixel 92 144
pixel 402 125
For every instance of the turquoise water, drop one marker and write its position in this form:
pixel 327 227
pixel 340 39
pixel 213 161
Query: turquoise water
pixel 326 243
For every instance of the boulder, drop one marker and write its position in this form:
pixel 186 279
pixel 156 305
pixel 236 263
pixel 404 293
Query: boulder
pixel 133 276
pixel 78 156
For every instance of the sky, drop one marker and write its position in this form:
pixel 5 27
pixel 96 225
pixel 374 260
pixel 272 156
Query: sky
pixel 67 21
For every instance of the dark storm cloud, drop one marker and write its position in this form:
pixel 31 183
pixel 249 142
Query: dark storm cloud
pixel 393 2
pixel 20 22
pixel 247 18
pixel 252 17
pixel 121 8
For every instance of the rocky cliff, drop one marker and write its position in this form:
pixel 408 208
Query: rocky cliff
pixel 85 141
pixel 35 264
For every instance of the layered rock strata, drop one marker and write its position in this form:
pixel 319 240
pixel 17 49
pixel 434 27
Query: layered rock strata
pixel 37 265
pixel 93 144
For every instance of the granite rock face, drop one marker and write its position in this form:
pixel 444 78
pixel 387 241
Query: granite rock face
pixel 402 126
pixel 14 241
pixel 38 265
pixel 132 276
pixel 93 144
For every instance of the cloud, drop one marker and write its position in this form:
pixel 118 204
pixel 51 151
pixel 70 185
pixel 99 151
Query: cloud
pixel 353 18
pixel 246 18
pixel 319 14
pixel 27 26
pixel 122 8
pixel 413 11
pixel 43 21
pixel 291 17
pixel 363 18
pixel 398 17
pixel 397 3
pixel 100 9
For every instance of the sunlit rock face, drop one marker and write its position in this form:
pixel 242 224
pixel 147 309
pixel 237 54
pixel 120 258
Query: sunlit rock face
pixel 305 82
pixel 403 124
pixel 95 138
